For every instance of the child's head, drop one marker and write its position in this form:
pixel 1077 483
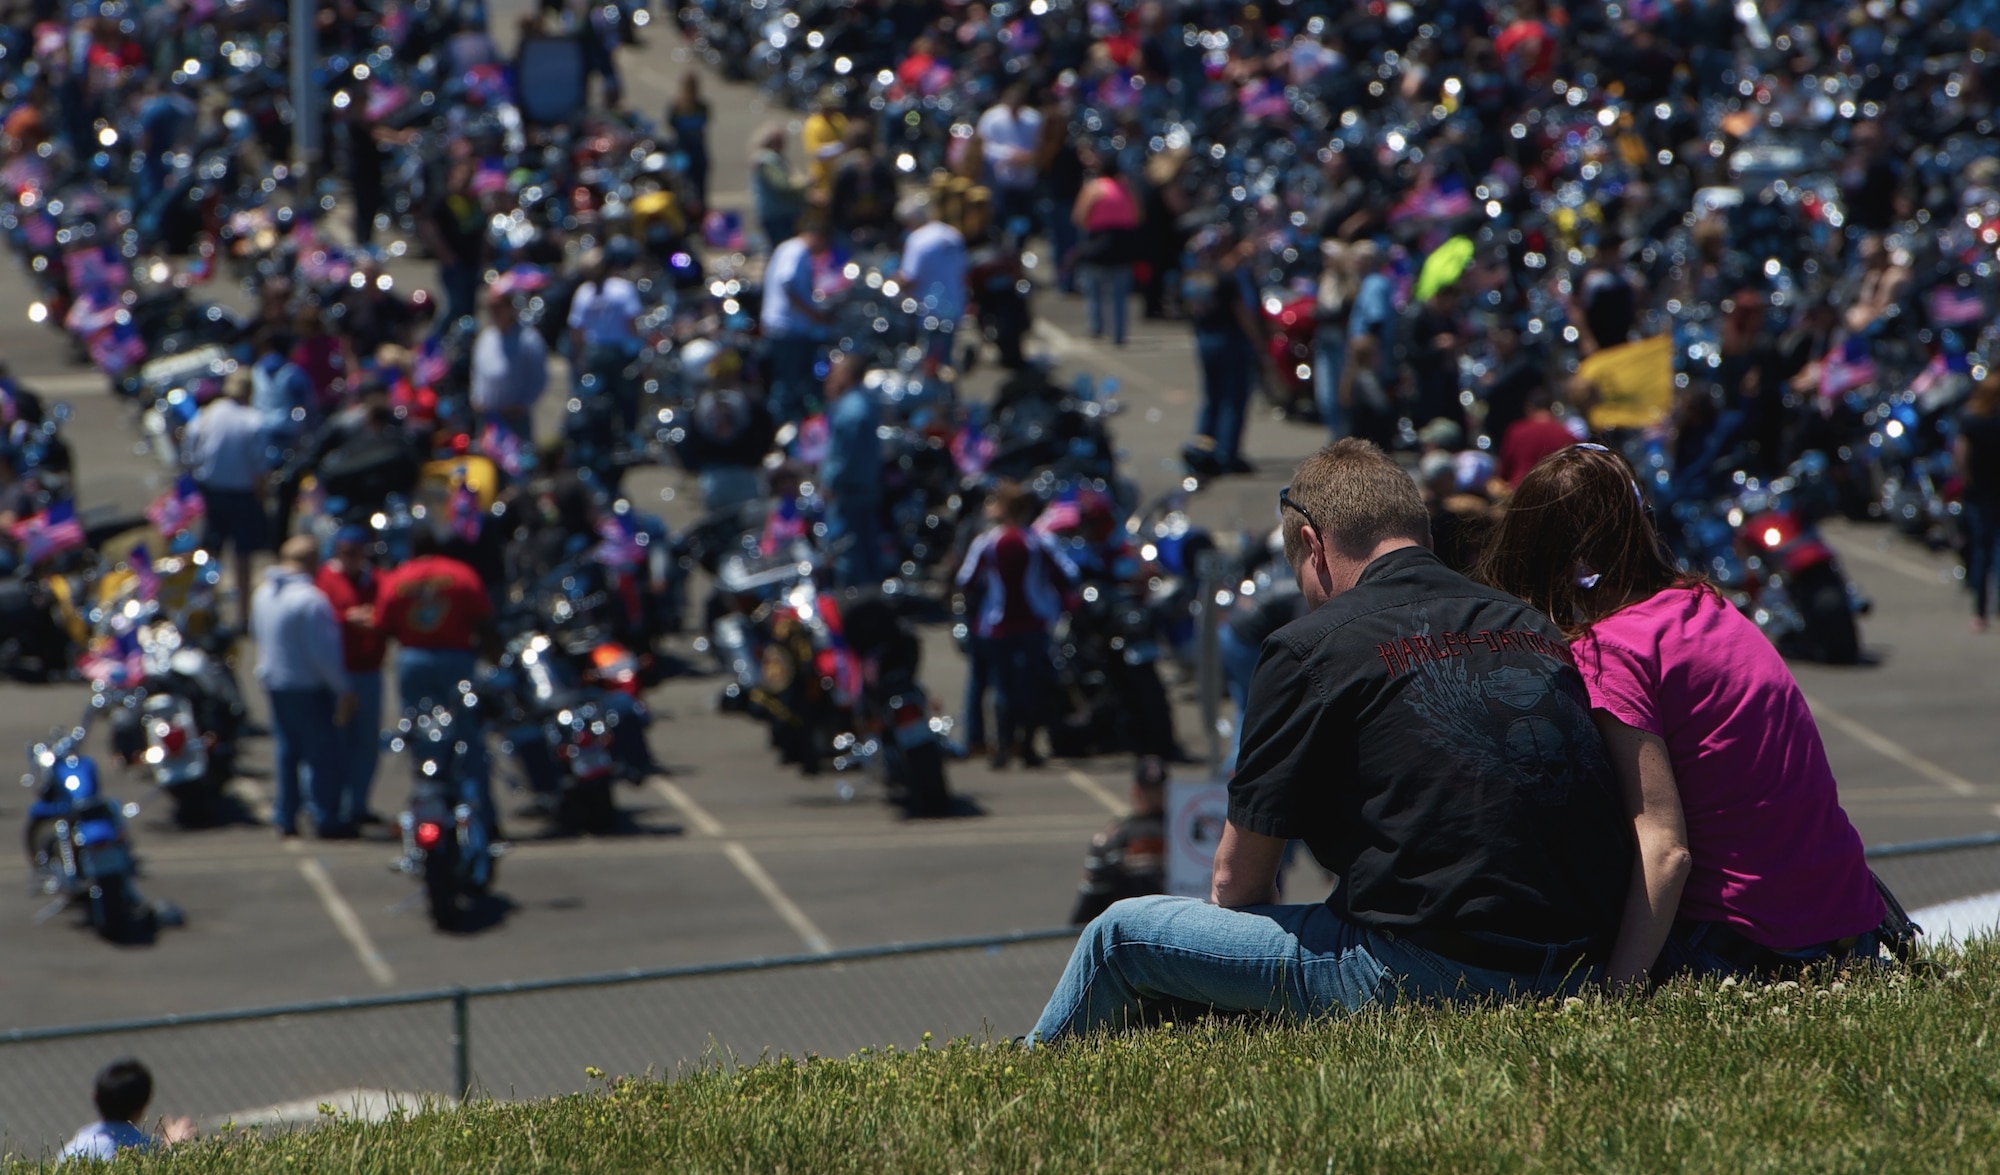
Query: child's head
pixel 1014 504
pixel 123 1089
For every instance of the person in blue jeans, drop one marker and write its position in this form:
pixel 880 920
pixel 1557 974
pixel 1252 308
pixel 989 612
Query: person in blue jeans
pixel 1220 301
pixel 299 664
pixel 1015 581
pixel 795 322
pixel 851 475
pixel 1431 742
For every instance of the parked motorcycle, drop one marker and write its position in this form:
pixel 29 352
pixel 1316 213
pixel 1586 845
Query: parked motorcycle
pixel 76 841
pixel 447 844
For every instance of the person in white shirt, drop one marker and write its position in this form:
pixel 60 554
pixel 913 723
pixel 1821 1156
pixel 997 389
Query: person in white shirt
pixel 510 368
pixel 1011 136
pixel 224 450
pixel 794 322
pixel 932 272
pixel 124 1088
pixel 604 331
pixel 304 675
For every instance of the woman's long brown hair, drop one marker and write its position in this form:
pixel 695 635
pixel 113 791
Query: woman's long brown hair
pixel 1577 541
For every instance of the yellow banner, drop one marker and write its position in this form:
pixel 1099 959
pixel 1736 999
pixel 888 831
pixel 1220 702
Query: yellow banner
pixel 1634 382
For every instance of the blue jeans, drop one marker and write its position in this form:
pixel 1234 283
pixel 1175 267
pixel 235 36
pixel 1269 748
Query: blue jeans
pixel 978 678
pixel 1154 958
pixel 1239 664
pixel 461 291
pixel 1688 950
pixel 306 739
pixel 854 532
pixel 1329 359
pixel 1106 286
pixel 433 675
pixel 1982 538
pixel 362 740
pixel 795 384
pixel 1228 364
pixel 1023 677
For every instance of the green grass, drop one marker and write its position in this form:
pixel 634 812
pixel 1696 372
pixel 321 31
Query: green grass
pixel 1880 1072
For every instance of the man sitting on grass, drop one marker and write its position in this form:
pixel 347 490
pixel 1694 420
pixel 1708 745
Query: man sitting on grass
pixel 1430 741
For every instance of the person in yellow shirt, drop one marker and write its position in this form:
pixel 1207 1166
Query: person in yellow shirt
pixel 824 136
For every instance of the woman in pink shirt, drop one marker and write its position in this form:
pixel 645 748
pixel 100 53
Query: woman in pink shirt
pixel 1108 215
pixel 1746 862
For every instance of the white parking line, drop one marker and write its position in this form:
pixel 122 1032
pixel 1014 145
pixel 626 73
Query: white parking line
pixel 346 921
pixel 1929 573
pixel 794 917
pixel 696 815
pixel 746 864
pixel 1097 791
pixel 1889 749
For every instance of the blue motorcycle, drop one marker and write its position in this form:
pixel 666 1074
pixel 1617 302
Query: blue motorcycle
pixel 76 840
pixel 447 833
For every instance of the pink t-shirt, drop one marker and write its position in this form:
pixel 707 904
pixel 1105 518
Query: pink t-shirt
pixel 1774 854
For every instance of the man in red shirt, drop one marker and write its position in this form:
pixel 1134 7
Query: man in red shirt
pixel 1014 580
pixel 349 583
pixel 437 609
pixel 1532 438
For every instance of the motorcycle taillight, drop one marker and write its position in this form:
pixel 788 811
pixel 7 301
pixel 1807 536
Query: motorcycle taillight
pixel 173 739
pixel 428 835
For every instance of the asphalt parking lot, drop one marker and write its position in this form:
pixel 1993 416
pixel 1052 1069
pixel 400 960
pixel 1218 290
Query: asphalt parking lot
pixel 731 855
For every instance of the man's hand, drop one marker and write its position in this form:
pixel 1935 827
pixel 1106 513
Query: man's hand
pixel 343 710
pixel 362 615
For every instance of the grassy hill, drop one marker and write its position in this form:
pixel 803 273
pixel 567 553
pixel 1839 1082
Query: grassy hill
pixel 1877 1072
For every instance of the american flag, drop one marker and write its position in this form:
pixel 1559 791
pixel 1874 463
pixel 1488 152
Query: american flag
pixel 504 446
pixel 724 230
pixel 117 349
pixel 114 660
pixel 618 542
pixel 1060 515
pixel 49 533
pixel 431 365
pixel 1438 201
pixel 142 571
pixel 1956 306
pixel 785 526
pixel 177 509
pixel 467 519
pixel 971 451
pixel 1844 370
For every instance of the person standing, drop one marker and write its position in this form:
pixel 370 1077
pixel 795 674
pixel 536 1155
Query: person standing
pixel 862 203
pixel 1108 216
pixel 282 393
pixel 1010 134
pixel 824 136
pixel 604 331
pixel 223 450
pixel 1015 579
pixel 300 664
pixel 1221 304
pixel 852 474
pixel 794 322
pixel 933 271
pixel 1534 436
pixel 510 368
pixel 349 583
pixel 777 193
pixel 454 229
pixel 688 115
pixel 1976 455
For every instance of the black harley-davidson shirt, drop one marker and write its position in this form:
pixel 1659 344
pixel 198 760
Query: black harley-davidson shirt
pixel 1431 742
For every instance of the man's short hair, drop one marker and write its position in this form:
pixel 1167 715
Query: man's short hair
pixel 123 1089
pixel 1018 504
pixel 1356 498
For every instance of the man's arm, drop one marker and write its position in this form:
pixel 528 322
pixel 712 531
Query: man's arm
pixel 1246 868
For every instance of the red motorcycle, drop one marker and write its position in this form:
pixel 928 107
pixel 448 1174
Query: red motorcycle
pixel 1796 580
pixel 1291 321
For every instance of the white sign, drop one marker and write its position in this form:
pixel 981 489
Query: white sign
pixel 1196 813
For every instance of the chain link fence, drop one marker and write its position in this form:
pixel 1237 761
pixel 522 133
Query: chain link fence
pixel 277 1066
pixel 366 1056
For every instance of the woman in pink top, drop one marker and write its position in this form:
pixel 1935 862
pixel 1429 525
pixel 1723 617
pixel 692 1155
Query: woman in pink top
pixel 1108 214
pixel 1746 861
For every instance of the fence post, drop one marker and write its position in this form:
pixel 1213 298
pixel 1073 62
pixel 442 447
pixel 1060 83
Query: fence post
pixel 461 1043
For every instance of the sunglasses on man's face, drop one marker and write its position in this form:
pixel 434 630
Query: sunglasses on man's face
pixel 1285 503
